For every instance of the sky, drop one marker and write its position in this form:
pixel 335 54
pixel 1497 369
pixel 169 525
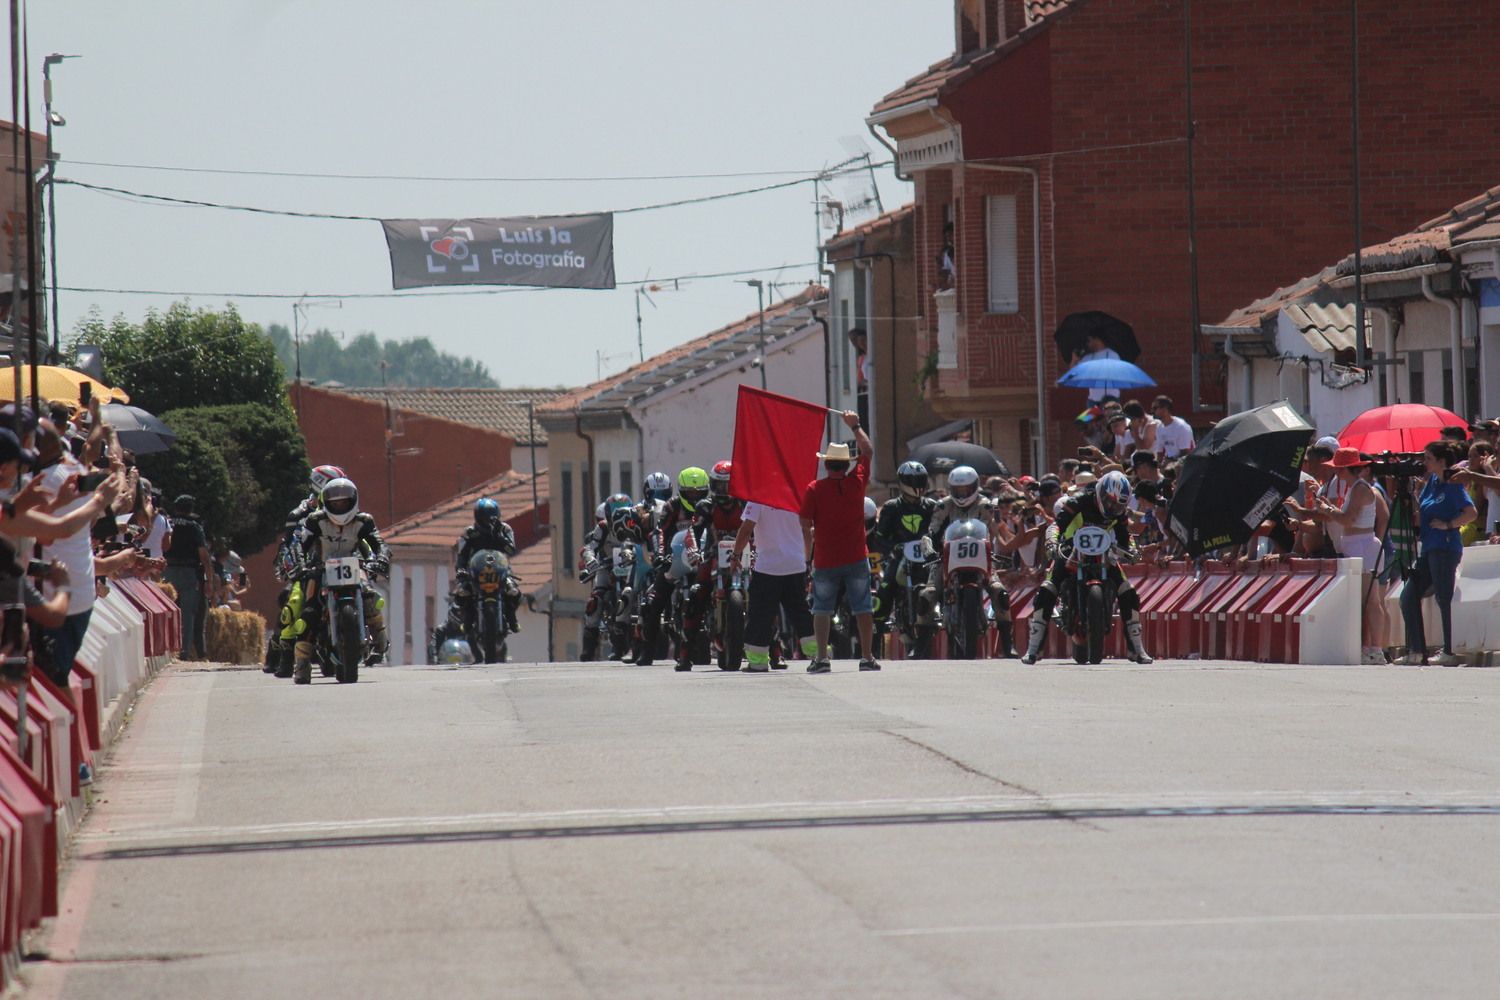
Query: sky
pixel 561 89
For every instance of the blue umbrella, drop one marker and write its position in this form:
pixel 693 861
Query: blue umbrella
pixel 1105 373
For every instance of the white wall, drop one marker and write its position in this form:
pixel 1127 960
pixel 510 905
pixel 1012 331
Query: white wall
pixel 694 424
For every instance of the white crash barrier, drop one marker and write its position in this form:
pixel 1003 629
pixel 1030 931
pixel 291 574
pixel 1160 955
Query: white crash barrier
pixel 1326 634
pixel 114 647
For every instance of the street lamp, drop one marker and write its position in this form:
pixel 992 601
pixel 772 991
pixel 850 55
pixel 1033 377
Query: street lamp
pixel 53 120
pixel 760 294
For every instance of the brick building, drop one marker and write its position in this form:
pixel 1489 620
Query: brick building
pixel 1053 141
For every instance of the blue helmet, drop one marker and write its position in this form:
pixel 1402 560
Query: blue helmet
pixel 486 513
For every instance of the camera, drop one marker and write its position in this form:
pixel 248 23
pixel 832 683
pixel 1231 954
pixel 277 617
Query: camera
pixel 1398 464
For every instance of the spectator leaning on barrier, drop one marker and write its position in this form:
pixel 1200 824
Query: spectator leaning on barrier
pixel 189 570
pixel 834 508
pixel 1444 508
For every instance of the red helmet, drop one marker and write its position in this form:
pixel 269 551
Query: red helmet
pixel 718 483
pixel 325 474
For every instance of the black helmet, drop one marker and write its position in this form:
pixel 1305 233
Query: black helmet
pixel 912 477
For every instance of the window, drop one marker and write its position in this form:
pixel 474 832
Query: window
pixel 1000 249
pixel 604 490
pixel 567 517
pixel 627 477
pixel 1416 378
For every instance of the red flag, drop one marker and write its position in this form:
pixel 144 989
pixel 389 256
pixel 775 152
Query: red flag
pixel 776 445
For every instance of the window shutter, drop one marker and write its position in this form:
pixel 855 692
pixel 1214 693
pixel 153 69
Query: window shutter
pixel 1000 248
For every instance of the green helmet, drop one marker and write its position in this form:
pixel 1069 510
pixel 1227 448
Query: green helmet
pixel 692 486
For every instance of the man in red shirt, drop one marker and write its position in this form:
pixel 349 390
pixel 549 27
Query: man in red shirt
pixel 834 508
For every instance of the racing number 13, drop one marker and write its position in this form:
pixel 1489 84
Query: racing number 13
pixel 343 572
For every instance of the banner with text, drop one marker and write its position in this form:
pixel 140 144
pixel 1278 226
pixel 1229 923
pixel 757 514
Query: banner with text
pixel 562 251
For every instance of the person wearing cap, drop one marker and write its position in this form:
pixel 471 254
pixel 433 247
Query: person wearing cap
pixel 1486 430
pixel 834 509
pixel 23 518
pixel 1363 518
pixel 1482 474
pixel 189 568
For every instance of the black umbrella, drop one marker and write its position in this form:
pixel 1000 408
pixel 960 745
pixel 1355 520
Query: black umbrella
pixel 945 456
pixel 1076 328
pixel 143 433
pixel 1237 476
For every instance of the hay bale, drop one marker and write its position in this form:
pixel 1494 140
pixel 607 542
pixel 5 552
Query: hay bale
pixel 235 636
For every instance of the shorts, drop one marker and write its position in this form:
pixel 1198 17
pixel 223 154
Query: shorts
pixel 1365 547
pixel 854 578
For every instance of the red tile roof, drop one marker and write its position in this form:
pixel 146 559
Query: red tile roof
pixel 442 524
pixel 944 73
pixel 502 410
pixel 875 225
pixel 568 401
pixel 1478 218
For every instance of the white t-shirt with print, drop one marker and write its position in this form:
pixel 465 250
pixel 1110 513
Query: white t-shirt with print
pixel 76 552
pixel 779 547
pixel 1174 438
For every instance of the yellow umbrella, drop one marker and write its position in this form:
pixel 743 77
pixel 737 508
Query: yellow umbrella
pixel 56 383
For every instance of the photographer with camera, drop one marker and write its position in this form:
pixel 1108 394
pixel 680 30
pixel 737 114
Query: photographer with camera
pixel 1444 507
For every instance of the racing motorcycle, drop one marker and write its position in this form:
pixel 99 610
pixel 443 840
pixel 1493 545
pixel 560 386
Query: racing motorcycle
pixel 590 569
pixel 728 614
pixel 343 642
pixel 683 571
pixel 965 574
pixel 914 617
pixel 1087 599
pixel 489 572
pixel 630 571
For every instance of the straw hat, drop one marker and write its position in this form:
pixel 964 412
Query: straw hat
pixel 838 451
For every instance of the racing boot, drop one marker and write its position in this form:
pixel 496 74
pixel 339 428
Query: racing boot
pixel 512 625
pixel 649 633
pixel 273 655
pixel 302 671
pixel 1034 641
pixel 1136 643
pixel 380 642
pixel 285 655
pixel 1007 633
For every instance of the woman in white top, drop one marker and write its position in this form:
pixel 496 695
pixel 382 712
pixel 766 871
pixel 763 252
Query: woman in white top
pixel 1362 517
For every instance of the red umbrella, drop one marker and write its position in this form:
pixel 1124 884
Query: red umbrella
pixel 1402 427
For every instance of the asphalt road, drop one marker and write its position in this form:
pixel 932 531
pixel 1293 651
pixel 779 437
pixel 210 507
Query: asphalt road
pixel 936 830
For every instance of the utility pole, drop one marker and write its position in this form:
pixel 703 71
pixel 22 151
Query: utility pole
pixel 536 503
pixel 53 119
pixel 390 447
pixel 299 316
pixel 760 294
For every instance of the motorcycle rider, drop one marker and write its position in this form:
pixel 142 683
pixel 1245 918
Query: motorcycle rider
pixel 1103 503
pixel 718 516
pixel 903 518
pixel 487 532
pixel 965 501
pixel 596 557
pixel 280 649
pixel 692 489
pixel 338 529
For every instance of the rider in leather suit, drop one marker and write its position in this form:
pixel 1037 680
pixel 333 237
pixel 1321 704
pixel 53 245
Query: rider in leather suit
pixel 904 518
pixel 965 501
pixel 280 649
pixel 487 532
pixel 1104 504
pixel 692 489
pixel 717 517
pixel 337 530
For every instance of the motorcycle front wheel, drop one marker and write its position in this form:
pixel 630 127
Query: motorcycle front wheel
pixel 970 615
pixel 1096 618
pixel 489 633
pixel 734 632
pixel 350 651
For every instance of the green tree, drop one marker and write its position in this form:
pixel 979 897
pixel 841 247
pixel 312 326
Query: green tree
pixel 184 357
pixel 414 363
pixel 195 466
pixel 264 463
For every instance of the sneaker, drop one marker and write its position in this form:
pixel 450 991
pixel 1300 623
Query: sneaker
pixel 869 663
pixel 1447 659
pixel 1373 657
pixel 85 774
pixel 819 667
pixel 778 665
pixel 1414 660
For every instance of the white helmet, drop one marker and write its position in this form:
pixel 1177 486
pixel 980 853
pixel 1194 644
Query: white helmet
pixel 872 510
pixel 323 475
pixel 600 513
pixel 963 486
pixel 1112 493
pixel 455 651
pixel 341 501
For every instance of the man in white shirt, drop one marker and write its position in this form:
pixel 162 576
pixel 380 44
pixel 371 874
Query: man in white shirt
pixel 1175 438
pixel 778 580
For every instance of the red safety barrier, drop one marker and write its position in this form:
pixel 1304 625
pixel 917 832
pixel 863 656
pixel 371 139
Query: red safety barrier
pixel 163 617
pixel 1276 624
pixel 31 803
pixel 35 735
pixel 10 877
pixel 85 686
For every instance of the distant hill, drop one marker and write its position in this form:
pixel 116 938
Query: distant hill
pixel 356 362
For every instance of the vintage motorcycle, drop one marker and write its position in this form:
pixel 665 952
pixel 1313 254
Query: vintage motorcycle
pixel 591 569
pixel 489 573
pixel 728 614
pixel 967 555
pixel 1087 599
pixel 915 615
pixel 343 643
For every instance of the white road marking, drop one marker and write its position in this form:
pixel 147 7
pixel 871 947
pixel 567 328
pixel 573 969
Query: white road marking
pixel 1241 921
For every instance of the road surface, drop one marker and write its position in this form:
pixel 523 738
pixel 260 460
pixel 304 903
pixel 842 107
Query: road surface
pixel 937 830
